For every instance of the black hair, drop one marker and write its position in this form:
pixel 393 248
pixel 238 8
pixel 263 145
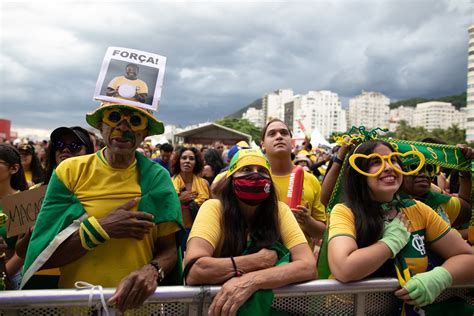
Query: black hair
pixel 433 140
pixel 213 159
pixel 264 130
pixel 367 212
pixel 11 156
pixel 133 65
pixel 37 171
pixel 263 228
pixel 167 148
pixel 51 151
pixel 175 165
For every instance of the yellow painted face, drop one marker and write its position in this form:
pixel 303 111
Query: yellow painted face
pixel 391 160
pixel 135 119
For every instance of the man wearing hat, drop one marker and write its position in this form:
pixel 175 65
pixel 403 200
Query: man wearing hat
pixel 111 218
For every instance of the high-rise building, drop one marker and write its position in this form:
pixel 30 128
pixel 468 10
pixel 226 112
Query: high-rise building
pixel 255 116
pixel 369 109
pixel 435 114
pixel 470 88
pixel 316 110
pixel 402 113
pixel 273 104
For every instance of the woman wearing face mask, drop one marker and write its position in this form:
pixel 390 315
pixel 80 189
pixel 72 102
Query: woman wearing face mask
pixel 193 190
pixel 373 232
pixel 235 240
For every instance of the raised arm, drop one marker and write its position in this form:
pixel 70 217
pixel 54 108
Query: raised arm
pixel 465 184
pixel 330 179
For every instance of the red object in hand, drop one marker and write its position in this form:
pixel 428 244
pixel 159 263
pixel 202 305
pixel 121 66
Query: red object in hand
pixel 295 187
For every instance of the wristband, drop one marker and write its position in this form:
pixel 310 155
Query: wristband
pixel 92 234
pixel 337 160
pixel 86 242
pixel 237 273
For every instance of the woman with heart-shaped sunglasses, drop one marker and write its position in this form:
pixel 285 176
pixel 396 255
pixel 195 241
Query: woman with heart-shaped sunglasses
pixel 373 227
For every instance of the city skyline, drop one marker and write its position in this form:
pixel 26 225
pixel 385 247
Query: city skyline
pixel 216 64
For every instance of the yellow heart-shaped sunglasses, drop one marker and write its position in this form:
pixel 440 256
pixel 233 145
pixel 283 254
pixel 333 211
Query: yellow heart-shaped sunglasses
pixel 353 157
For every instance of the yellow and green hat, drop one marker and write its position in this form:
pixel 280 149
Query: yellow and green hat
pixel 247 157
pixel 155 127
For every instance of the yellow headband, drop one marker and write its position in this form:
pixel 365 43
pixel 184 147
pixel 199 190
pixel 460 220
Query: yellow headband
pixel 247 157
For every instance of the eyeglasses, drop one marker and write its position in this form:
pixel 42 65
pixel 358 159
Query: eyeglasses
pixel 429 169
pixel 136 120
pixel 73 147
pixel 391 160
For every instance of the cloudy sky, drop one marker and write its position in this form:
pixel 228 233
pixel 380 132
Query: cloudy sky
pixel 222 56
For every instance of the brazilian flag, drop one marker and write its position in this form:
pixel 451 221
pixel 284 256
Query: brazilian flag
pixel 62 213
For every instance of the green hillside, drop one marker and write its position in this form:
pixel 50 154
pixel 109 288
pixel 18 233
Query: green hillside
pixel 458 101
pixel 256 104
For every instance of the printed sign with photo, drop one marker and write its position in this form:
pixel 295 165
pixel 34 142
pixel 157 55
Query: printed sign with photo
pixel 131 76
pixel 22 209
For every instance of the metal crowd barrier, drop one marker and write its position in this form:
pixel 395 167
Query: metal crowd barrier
pixel 321 297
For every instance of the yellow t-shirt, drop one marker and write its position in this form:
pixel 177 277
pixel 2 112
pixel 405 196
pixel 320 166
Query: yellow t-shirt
pixel 29 176
pixel 311 194
pixel 140 85
pixel 101 188
pixel 449 211
pixel 208 226
pixel 427 228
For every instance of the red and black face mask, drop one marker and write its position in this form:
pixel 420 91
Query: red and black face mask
pixel 252 188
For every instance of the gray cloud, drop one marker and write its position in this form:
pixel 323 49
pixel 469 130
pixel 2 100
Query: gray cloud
pixel 222 56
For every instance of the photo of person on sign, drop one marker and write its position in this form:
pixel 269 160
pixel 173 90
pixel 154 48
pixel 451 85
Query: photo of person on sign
pixel 129 86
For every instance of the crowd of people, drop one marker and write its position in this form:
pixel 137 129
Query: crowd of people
pixel 119 212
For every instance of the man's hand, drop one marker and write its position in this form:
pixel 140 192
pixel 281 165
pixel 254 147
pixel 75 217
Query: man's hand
pixel 110 92
pixel 232 295
pixel 302 213
pixel 135 288
pixel 122 223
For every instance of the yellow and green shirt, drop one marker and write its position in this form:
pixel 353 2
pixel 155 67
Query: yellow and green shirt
pixel 427 227
pixel 89 184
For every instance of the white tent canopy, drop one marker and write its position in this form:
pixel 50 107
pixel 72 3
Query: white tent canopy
pixel 317 140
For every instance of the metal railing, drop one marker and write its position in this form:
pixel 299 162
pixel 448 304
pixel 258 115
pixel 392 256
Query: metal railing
pixel 321 297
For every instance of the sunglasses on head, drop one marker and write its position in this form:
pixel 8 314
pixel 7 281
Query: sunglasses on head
pixel 428 169
pixel 73 146
pixel 135 119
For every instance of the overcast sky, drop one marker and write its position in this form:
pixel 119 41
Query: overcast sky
pixel 222 56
